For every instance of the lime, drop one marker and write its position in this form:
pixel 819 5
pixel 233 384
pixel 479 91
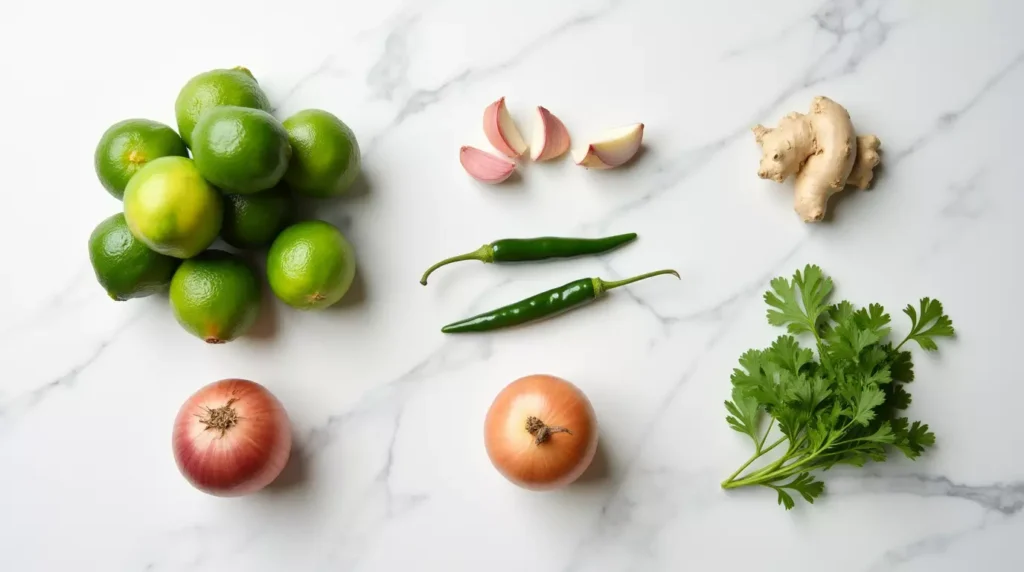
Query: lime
pixel 215 296
pixel 325 154
pixel 171 208
pixel 253 221
pixel 124 266
pixel 310 265
pixel 240 150
pixel 128 145
pixel 213 88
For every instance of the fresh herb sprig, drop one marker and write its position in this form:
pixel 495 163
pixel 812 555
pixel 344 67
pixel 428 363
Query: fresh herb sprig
pixel 843 405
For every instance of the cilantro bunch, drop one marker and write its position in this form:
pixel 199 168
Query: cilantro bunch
pixel 843 404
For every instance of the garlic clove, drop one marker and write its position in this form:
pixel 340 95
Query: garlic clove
pixel 587 157
pixel 613 148
pixel 501 131
pixel 484 166
pixel 550 138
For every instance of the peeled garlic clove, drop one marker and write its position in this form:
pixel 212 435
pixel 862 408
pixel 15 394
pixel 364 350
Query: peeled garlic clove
pixel 485 167
pixel 586 157
pixel 550 138
pixel 614 148
pixel 501 131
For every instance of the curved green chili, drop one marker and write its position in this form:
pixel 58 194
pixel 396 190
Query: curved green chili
pixel 540 248
pixel 545 305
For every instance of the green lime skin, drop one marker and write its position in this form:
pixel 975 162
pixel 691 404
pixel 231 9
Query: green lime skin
pixel 210 89
pixel 310 265
pixel 172 209
pixel 325 154
pixel 126 146
pixel 124 266
pixel 241 150
pixel 215 296
pixel 254 221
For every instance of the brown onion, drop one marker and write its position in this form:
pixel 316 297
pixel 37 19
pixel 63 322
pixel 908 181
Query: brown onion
pixel 541 432
pixel 231 438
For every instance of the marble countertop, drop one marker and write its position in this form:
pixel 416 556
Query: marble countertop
pixel 389 470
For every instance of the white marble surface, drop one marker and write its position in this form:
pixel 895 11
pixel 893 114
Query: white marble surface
pixel 390 472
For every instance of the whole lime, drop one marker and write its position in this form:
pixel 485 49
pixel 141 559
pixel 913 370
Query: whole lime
pixel 215 296
pixel 126 146
pixel 124 266
pixel 325 154
pixel 172 209
pixel 240 150
pixel 253 221
pixel 310 265
pixel 213 88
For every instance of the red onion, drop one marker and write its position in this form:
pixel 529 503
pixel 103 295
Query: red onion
pixel 231 438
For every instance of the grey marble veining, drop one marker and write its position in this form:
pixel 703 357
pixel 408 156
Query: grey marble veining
pixel 389 470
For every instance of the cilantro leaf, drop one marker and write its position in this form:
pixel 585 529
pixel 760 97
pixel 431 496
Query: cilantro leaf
pixel 900 366
pixel 823 427
pixel 864 405
pixel 744 414
pixel 791 419
pixel 841 312
pixel 808 392
pixel 873 319
pixel 786 353
pixel 920 437
pixel 883 434
pixel 857 456
pixel 799 304
pixel 805 485
pixel 756 378
pixel 846 340
pixel 931 323
pixel 879 376
pixel 898 398
pixel 912 439
pixel 784 498
pixel 872 358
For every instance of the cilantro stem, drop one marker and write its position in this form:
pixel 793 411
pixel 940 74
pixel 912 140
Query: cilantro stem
pixel 848 441
pixel 763 478
pixel 778 469
pixel 905 340
pixel 726 484
pixel 822 356
pixel 760 445
pixel 767 468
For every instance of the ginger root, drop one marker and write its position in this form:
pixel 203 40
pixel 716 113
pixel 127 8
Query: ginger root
pixel 821 151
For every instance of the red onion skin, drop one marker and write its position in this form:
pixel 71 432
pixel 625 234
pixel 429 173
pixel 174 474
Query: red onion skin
pixel 245 457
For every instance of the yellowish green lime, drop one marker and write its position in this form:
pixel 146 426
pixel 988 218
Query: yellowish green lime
pixel 126 146
pixel 215 296
pixel 172 209
pixel 310 265
pixel 325 154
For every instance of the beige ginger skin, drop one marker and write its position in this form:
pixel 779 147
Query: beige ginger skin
pixel 821 151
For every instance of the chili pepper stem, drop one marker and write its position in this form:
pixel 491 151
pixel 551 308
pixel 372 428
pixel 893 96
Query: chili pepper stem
pixel 484 254
pixel 602 286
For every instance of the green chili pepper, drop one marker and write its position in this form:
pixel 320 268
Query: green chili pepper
pixel 540 248
pixel 544 305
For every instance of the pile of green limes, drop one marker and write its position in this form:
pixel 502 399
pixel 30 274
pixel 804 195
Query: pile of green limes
pixel 237 184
